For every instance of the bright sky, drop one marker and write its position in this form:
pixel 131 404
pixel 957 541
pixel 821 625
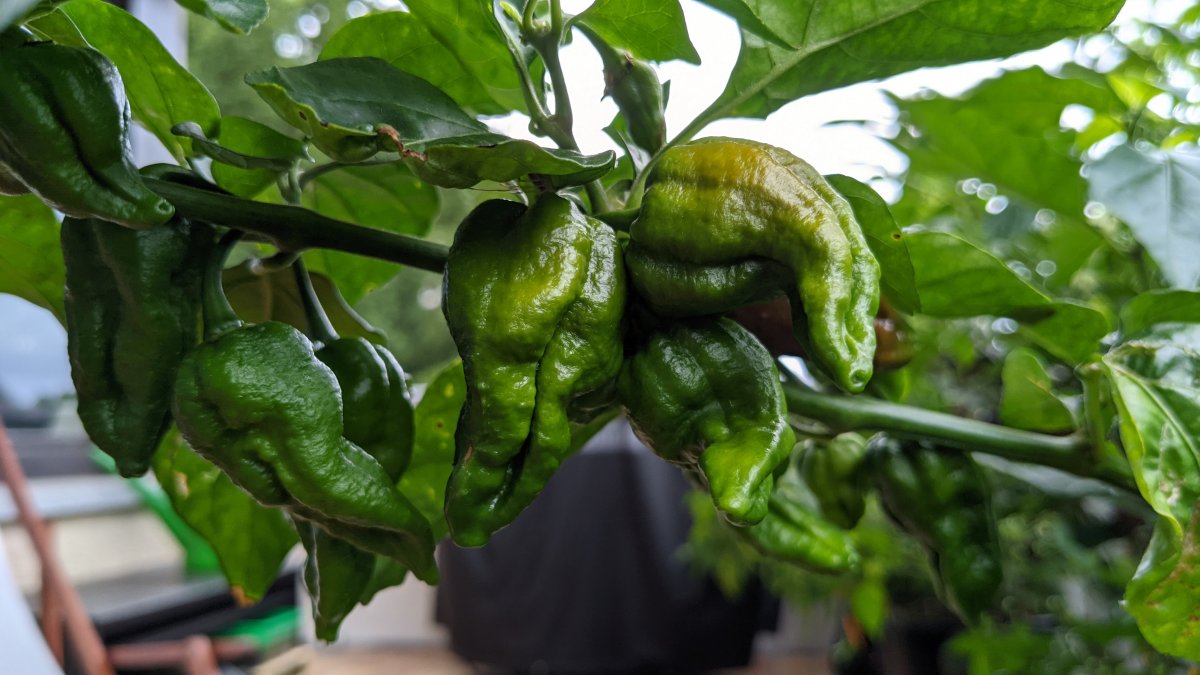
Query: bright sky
pixel 33 346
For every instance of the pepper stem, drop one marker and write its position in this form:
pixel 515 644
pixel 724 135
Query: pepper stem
pixel 219 317
pixel 320 329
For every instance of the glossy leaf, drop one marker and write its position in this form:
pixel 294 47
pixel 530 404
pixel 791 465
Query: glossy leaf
pixel 235 16
pixel 31 264
pixel 470 31
pixel 385 196
pixel 1156 387
pixel 259 296
pixel 1028 400
pixel 889 245
pixel 252 139
pixel 652 30
pixel 1158 195
pixel 402 40
pixel 841 43
pixel 1155 307
pixel 350 107
pixel 249 539
pixel 1006 132
pixel 956 279
pixel 436 418
pixel 161 92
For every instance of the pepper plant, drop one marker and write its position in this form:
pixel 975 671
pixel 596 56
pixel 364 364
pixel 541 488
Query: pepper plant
pixel 658 282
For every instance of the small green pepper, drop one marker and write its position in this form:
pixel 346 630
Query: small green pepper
pixel 835 471
pixel 941 497
pixel 534 298
pixel 706 395
pixel 64 134
pixel 378 417
pixel 132 305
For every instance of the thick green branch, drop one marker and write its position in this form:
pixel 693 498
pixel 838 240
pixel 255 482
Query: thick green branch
pixel 859 413
pixel 295 229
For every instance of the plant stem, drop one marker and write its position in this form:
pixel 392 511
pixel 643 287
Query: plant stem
pixel 858 413
pixel 295 229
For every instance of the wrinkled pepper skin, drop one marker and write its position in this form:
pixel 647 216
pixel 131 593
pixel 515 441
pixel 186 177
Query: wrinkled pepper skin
pixel 836 473
pixel 794 531
pixel 706 395
pixel 256 401
pixel 64 134
pixel 534 298
pixel 726 221
pixel 377 411
pixel 941 497
pixel 377 415
pixel 132 307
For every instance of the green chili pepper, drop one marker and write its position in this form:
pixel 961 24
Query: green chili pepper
pixel 257 402
pixel 941 497
pixel 534 298
pixel 378 417
pixel 706 395
pixel 725 222
pixel 64 135
pixel 836 473
pixel 132 306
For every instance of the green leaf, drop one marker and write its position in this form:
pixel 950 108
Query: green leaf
pixel 652 30
pixel 248 138
pixel 1158 195
pixel 755 16
pixel 161 92
pixel 386 196
pixel 235 16
pixel 1155 307
pixel 249 539
pixel 889 245
pixel 31 264
pixel 1006 132
pixel 435 419
pixel 258 295
pixel 470 31
pixel 402 40
pixel 956 279
pixel 841 43
pixel 1028 400
pixel 351 107
pixel 1155 387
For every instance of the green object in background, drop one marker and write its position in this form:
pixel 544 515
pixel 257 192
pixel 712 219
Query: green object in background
pixel 795 531
pixel 706 395
pixel 198 556
pixel 637 91
pixel 727 221
pixel 132 303
pixel 835 472
pixel 64 134
pixel 256 401
pixel 534 298
pixel 941 497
